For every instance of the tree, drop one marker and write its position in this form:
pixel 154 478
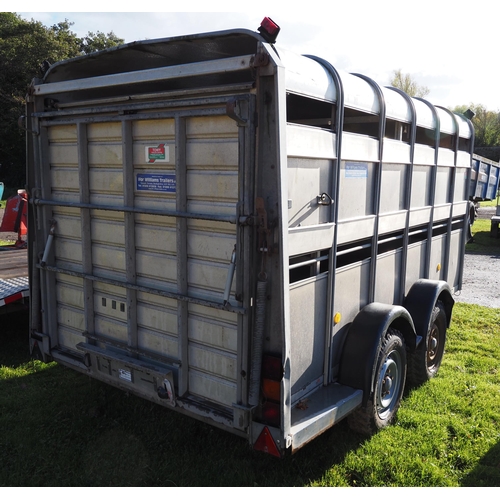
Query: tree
pixel 486 124
pixel 98 41
pixel 24 46
pixel 405 82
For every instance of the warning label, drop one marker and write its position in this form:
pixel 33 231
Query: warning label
pixel 157 154
pixel 158 183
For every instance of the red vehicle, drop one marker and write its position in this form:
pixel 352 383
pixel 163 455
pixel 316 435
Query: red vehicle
pixel 14 284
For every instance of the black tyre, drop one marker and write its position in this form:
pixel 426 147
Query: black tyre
pixel 424 363
pixel 390 376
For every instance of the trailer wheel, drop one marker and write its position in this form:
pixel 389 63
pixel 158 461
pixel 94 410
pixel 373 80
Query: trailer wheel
pixel 424 363
pixel 390 376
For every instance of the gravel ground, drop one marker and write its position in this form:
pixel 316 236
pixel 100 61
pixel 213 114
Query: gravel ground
pixel 481 281
pixel 6 236
pixel 481 278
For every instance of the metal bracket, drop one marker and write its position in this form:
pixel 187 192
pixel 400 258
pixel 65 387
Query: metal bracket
pixel 22 126
pixel 324 199
pixel 262 229
pixel 48 245
pixel 230 276
pixel 237 109
pixel 260 59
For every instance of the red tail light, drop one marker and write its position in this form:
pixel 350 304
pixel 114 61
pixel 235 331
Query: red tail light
pixel 271 413
pixel 272 373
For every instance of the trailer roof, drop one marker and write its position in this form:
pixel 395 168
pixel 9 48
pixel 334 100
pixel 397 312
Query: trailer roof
pixel 148 54
pixel 304 75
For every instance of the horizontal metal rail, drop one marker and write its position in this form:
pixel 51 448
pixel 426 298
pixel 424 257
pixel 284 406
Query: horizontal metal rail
pixel 154 291
pixel 134 350
pixel 131 103
pixel 353 249
pixel 308 262
pixel 150 75
pixel 231 219
pixel 66 119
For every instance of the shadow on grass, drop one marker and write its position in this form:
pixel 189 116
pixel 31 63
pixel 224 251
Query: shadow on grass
pixel 483 243
pixel 62 428
pixel 487 472
pixel 14 341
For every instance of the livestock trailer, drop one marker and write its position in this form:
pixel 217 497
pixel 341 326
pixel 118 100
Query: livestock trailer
pixel 241 234
pixel 485 178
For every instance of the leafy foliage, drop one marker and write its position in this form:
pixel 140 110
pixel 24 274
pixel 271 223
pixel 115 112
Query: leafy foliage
pixel 98 41
pixel 406 83
pixel 24 46
pixel 486 124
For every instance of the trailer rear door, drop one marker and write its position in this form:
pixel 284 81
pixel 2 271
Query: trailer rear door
pixel 146 204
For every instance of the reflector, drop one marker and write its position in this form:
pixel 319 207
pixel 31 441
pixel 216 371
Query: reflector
pixel 265 443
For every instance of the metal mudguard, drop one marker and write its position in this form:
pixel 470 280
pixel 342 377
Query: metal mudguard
pixel 363 341
pixel 421 300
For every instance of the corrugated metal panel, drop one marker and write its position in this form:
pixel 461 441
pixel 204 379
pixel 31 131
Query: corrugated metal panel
pixel 212 187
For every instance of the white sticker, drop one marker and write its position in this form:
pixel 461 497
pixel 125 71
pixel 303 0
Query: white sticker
pixel 168 388
pixel 356 170
pixel 125 375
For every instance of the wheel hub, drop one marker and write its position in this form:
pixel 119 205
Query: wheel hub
pixel 432 346
pixel 388 385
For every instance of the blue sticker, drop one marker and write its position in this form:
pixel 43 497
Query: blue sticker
pixel 356 170
pixel 158 183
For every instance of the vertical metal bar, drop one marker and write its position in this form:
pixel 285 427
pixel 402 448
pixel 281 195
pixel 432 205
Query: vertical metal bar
pixel 467 181
pixel 32 152
pixel 244 283
pixel 182 257
pixel 129 222
pixel 487 180
pixel 473 192
pixel 337 127
pixel 377 185
pixel 47 280
pixel 451 195
pixel 408 193
pixel 432 187
pixel 85 226
pixel 272 186
pixel 36 233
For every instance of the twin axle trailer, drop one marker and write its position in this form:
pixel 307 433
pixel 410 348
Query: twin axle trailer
pixel 242 234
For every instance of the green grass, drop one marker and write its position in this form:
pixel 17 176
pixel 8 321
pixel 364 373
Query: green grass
pixel 492 203
pixel 61 428
pixel 3 242
pixel 483 242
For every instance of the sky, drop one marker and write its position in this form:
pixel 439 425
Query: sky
pixel 448 46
